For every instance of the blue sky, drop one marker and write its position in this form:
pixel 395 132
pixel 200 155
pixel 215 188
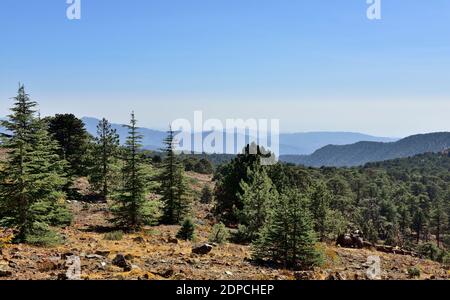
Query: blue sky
pixel 315 65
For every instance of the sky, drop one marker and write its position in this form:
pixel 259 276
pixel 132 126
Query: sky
pixel 316 65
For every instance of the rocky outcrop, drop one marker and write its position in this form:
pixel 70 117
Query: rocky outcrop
pixel 202 249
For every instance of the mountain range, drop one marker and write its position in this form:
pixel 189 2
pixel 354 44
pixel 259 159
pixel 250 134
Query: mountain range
pixel 364 152
pixel 290 143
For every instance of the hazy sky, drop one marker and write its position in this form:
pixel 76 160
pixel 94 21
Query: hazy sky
pixel 315 65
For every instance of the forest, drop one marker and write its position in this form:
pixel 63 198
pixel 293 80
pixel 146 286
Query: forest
pixel 282 211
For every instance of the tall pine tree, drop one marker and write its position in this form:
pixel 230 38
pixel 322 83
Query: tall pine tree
pixel 105 151
pixel 131 210
pixel 320 209
pixel 174 189
pixel 32 176
pixel 257 197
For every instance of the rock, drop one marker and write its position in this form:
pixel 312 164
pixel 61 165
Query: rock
pixel 202 249
pixel 166 273
pixel 336 276
pixel 139 240
pixel 94 256
pixel 5 270
pixel 102 252
pixel 121 262
pixel 129 257
pixel 304 275
pixel 228 273
pixel 172 240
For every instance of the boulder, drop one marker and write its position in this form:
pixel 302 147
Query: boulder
pixel 336 276
pixel 121 262
pixel 202 249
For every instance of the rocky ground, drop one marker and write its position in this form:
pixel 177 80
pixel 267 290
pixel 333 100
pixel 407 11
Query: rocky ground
pixel 155 253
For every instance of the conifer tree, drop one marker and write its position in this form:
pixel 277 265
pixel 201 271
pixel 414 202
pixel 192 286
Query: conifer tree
pixel 131 210
pixel 174 189
pixel 320 209
pixel 187 230
pixel 106 148
pixel 32 176
pixel 257 197
pixel 439 219
pixel 207 195
pixel 288 237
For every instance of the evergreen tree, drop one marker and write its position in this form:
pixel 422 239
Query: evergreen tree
pixel 73 140
pixel 439 219
pixel 258 195
pixel 320 209
pixel 32 176
pixel 131 210
pixel 174 189
pixel 187 230
pixel 206 196
pixel 106 148
pixel 228 188
pixel 288 237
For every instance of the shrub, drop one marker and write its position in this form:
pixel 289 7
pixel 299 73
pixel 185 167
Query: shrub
pixel 413 272
pixel 187 230
pixel 41 235
pixel 433 252
pixel 113 236
pixel 219 234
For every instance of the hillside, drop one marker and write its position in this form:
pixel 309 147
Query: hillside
pixel 155 254
pixel 364 152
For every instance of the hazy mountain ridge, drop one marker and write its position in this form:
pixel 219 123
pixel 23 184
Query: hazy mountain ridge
pixel 290 143
pixel 364 152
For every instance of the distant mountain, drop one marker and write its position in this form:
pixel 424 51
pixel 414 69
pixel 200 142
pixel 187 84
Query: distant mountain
pixel 363 152
pixel 152 139
pixel 290 143
pixel 308 142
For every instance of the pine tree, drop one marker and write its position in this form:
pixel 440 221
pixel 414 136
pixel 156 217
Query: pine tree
pixel 257 197
pixel 207 195
pixel 174 189
pixel 288 237
pixel 32 177
pixel 439 219
pixel 106 148
pixel 131 210
pixel 320 209
pixel 187 230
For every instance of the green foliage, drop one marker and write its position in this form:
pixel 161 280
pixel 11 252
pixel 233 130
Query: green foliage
pixel 288 237
pixel 414 272
pixel 173 189
pixel 228 188
pixel 33 174
pixel 113 235
pixel 258 195
pixel 219 234
pixel 131 210
pixel 41 235
pixel 206 195
pixel 187 230
pixel 104 156
pixel 73 140
pixel 431 251
pixel 320 209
